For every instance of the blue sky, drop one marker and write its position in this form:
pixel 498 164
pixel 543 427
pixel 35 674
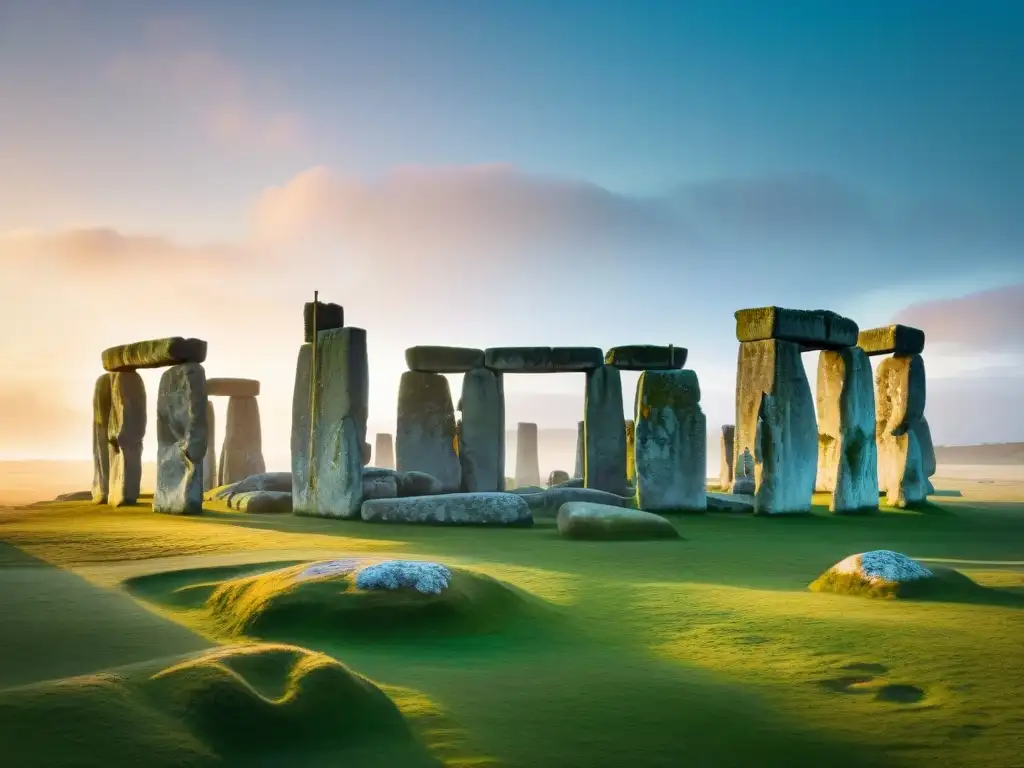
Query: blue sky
pixel 648 168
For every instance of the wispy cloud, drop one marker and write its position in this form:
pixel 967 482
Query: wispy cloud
pixel 990 320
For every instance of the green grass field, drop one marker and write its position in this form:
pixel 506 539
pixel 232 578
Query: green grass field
pixel 705 651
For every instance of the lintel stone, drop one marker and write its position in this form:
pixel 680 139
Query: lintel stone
pixel 443 359
pixel 154 353
pixel 232 388
pixel 891 339
pixel 646 357
pixel 813 329
pixel 543 359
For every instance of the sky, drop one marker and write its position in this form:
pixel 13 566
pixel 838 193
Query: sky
pixel 497 174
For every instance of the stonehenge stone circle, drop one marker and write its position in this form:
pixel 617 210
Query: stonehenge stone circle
pixel 155 353
pixel 232 388
pixel 604 456
pixel 181 440
pixel 384 451
pixel 671 442
pixel 210 458
pixel 482 432
pixel 725 473
pixel 847 455
pixel 892 339
pixel 451 509
pixel 126 429
pixel 426 437
pixel 242 452
pixel 900 402
pixel 581 447
pixel 646 357
pixel 443 359
pixel 543 359
pixel 100 440
pixel 328 317
pixel 527 461
pixel 630 425
pixel 332 478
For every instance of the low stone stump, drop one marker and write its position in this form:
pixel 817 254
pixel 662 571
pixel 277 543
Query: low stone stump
pixel 126 429
pixel 499 509
pixel 900 403
pixel 232 388
pixel 443 359
pixel 527 461
pixel 646 357
pixel 100 441
pixel 181 440
pixel 899 340
pixel 813 329
pixel 262 502
pixel 543 359
pixel 547 502
pixel 242 452
pixel 384 451
pixel 584 520
pixel 426 437
pixel 155 353
pixel 266 481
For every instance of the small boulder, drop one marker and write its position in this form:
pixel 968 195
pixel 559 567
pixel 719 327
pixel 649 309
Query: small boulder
pixel 557 477
pixel 506 509
pixel 380 486
pixel 392 575
pixel 547 502
pixel 879 573
pixel 415 483
pixel 584 520
pixel 262 502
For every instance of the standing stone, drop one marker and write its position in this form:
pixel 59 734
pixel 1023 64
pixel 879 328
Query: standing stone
pixel 332 478
pixel 126 429
pixel 210 458
pixel 242 452
pixel 100 443
pixel 671 442
pixel 328 317
pixel 775 422
pixel 426 436
pixel 300 422
pixel 725 473
pixel 181 440
pixel 581 447
pixel 482 433
pixel 743 474
pixel 365 455
pixel 527 462
pixel 604 455
pixel 384 451
pixel 847 456
pixel 900 401
pixel 923 433
pixel 630 451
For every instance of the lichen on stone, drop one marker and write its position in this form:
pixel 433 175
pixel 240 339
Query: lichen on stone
pixel 883 565
pixel 427 578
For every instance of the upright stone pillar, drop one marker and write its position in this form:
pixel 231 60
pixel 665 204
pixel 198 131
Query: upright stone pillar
pixel 630 452
pixel 126 429
pixel 671 443
pixel 426 437
pixel 527 461
pixel 329 483
pixel 847 456
pixel 482 433
pixel 605 452
pixel 100 441
pixel 900 382
pixel 384 451
pixel 923 433
pixel 300 423
pixel 242 452
pixel 181 435
pixel 581 448
pixel 725 459
pixel 210 458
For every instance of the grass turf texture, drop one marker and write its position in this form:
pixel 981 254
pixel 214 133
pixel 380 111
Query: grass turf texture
pixel 708 650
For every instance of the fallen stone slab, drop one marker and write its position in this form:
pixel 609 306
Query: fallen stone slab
pixel 646 357
pixel 730 502
pixel 181 440
pixel 279 482
pixel 572 482
pixel 584 520
pixel 220 492
pixel 443 359
pixel 328 317
pixel 526 489
pixel 100 441
pixel 543 359
pixel 262 502
pixel 232 388
pixel 155 353
pixel 76 496
pixel 547 502
pixel 380 486
pixel 813 329
pixel 500 509
pixel 891 339
pixel 414 483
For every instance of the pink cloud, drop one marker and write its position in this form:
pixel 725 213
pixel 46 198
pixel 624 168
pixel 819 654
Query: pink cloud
pixel 987 320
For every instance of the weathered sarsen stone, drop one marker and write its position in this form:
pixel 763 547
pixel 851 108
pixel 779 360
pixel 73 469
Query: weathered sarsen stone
pixel 155 353
pixel 892 339
pixel 181 440
pixel 443 359
pixel 482 432
pixel 543 359
pixel 451 509
pixel 646 357
pixel 328 317
pixel 581 449
pixel 527 460
pixel 426 437
pixel 630 425
pixel 900 401
pixel 242 452
pixel 333 478
pixel 814 329
pixel 776 424
pixel 847 456
pixel 300 423
pixel 384 451
pixel 605 452
pixel 598 522
pixel 210 459
pixel 725 461
pixel 100 442
pixel 923 433
pixel 126 429
pixel 232 388
pixel 671 442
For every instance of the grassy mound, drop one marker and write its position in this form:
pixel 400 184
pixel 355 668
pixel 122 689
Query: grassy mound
pixel 280 604
pixel 255 705
pixel 945 584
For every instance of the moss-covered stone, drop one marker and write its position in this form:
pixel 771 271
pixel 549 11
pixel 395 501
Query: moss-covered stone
pixel 154 353
pixel 451 509
pixel 443 359
pixel 584 520
pixel 892 339
pixel 814 329
pixel 646 357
